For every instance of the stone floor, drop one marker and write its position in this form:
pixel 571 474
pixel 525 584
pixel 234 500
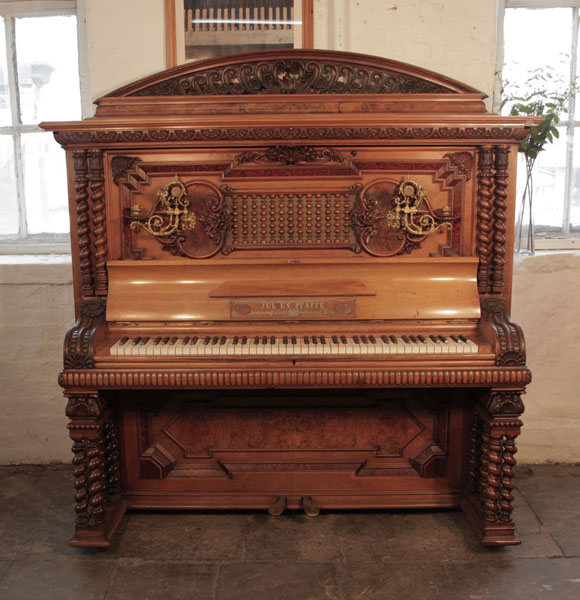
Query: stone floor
pixel 338 555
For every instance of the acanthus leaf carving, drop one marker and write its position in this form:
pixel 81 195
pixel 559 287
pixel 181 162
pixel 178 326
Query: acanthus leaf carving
pixel 290 155
pixel 121 165
pixel 78 352
pixel 507 336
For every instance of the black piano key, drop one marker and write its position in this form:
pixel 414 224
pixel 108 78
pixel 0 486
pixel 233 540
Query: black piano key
pixel 434 338
pixel 156 341
pixel 236 340
pixel 165 340
pixel 272 340
pixel 394 339
pixel 334 339
pixel 256 340
pixel 406 339
pixel 343 339
pixel 136 341
pixel 244 340
pixel 414 339
pixel 294 339
pixel 214 340
pixel 264 340
pixel 372 339
pixel 355 339
pixel 463 339
pixel 123 341
pixel 144 340
pixel 322 340
pixel 194 340
pixel 455 339
pixel 385 339
pixel 206 340
pixel 185 340
pixel 285 340
pixel 172 341
pixel 306 340
pixel 443 339
pixel 365 339
pixel 314 340
pixel 222 340
pixel 422 339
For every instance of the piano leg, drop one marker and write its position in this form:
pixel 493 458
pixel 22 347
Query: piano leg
pixel 490 473
pixel 96 468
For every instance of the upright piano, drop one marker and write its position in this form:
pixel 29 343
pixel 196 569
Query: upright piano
pixel 292 277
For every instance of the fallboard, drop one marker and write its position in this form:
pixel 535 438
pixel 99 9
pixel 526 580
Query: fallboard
pixel 293 290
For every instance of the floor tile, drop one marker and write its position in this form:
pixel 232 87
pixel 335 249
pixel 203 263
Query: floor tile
pixel 535 579
pixel 277 581
pixel 162 581
pixel 58 580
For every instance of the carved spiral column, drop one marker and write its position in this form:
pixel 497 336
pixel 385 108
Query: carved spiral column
pixel 500 217
pixel 97 180
pixel 80 481
pixel 83 220
pixel 474 463
pixel 484 217
pixel 88 413
pixel 112 457
pixel 96 479
pixel 507 483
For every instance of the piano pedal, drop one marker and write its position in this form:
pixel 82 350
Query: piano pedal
pixel 278 507
pixel 309 507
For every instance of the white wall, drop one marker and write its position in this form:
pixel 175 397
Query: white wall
pixel 126 41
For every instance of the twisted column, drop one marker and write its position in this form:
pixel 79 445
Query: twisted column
pixel 97 185
pixel 83 220
pixel 500 217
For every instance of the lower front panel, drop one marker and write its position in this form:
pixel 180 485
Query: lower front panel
pixel 244 449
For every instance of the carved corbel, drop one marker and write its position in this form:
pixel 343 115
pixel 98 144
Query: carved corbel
pixel 506 336
pixel 79 339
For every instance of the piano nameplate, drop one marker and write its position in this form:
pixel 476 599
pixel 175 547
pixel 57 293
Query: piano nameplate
pixel 306 308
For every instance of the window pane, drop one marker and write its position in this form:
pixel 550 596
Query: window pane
pixel 8 198
pixel 575 206
pixel 548 178
pixel 5 118
pixel 48 73
pixel 533 65
pixel 44 184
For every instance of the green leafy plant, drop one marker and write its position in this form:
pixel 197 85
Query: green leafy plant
pixel 542 94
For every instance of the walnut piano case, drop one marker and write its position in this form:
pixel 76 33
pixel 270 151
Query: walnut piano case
pixel 292 281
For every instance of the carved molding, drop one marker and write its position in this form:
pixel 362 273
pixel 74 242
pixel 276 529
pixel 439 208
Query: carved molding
pixel 206 135
pixel 290 155
pixel 507 336
pixel 294 378
pixel 79 338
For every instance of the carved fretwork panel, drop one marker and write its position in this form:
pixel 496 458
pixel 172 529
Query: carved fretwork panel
pixel 212 436
pixel 296 198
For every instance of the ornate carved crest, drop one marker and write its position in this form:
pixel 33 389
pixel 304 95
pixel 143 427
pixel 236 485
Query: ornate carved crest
pixel 121 165
pixel 509 338
pixel 505 403
pixel 463 161
pixel 296 74
pixel 290 155
pixel 84 405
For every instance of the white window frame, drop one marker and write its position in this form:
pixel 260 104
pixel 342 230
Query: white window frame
pixel 565 241
pixel 24 243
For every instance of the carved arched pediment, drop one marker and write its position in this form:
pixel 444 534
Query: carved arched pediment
pixel 294 72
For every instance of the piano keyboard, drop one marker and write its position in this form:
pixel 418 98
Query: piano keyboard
pixel 292 345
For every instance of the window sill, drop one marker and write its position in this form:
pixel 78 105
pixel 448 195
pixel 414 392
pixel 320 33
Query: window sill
pixel 38 269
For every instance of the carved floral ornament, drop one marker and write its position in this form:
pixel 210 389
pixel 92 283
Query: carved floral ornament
pixel 386 218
